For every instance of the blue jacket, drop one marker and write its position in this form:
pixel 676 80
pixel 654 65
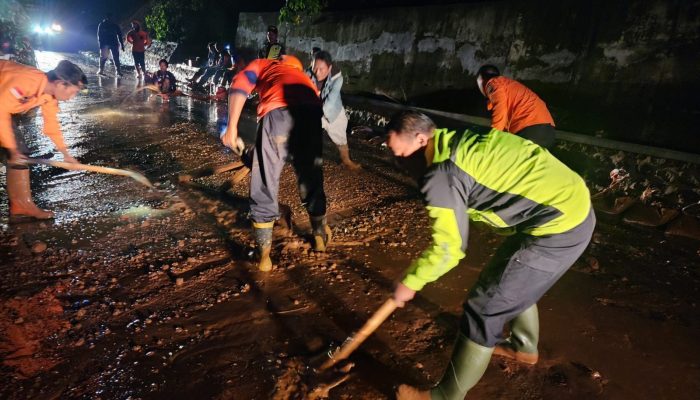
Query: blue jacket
pixel 330 94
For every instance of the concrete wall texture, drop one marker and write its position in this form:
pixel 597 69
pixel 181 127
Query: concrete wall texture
pixel 625 70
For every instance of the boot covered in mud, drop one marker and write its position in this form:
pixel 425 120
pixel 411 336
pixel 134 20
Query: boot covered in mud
pixel 344 151
pixel 19 192
pixel 521 346
pixel 322 233
pixel 262 231
pixel 467 366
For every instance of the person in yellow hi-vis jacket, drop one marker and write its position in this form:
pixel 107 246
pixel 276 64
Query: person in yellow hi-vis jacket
pixel 21 89
pixel 483 174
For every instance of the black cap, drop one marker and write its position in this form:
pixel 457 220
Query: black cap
pixel 272 28
pixel 69 72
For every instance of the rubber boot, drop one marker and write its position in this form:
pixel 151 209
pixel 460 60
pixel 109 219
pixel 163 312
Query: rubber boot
pixel 262 231
pixel 521 346
pixel 322 233
pixel 467 366
pixel 345 158
pixel 20 195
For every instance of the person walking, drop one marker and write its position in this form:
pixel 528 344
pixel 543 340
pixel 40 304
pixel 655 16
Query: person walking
pixel 109 40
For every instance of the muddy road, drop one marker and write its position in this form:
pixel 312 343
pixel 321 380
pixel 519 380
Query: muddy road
pixel 133 293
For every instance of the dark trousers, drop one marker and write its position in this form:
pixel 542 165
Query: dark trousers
pixel 114 49
pixel 520 273
pixel 139 60
pixel 287 134
pixel 542 134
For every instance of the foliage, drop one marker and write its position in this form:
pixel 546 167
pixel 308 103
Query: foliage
pixel 14 32
pixel 168 18
pixel 157 21
pixel 297 11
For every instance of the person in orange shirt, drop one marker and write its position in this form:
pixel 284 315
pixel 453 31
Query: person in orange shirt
pixel 515 108
pixel 289 128
pixel 139 42
pixel 21 89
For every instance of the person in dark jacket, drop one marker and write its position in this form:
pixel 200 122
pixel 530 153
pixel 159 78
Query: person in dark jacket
pixel 109 39
pixel 164 79
pixel 272 49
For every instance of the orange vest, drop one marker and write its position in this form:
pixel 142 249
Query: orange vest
pixel 514 106
pixel 278 84
pixel 21 89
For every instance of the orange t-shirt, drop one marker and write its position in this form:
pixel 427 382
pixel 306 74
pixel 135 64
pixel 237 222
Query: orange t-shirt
pixel 514 106
pixel 278 85
pixel 139 40
pixel 21 89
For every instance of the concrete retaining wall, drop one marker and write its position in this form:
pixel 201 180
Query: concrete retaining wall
pixel 624 70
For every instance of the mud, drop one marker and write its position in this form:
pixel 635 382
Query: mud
pixel 151 294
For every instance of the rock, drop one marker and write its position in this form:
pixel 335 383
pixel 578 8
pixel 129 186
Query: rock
pixel 179 281
pixel 39 247
pixel 79 342
pixel 593 263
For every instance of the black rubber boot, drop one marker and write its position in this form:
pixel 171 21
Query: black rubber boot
pixel 263 244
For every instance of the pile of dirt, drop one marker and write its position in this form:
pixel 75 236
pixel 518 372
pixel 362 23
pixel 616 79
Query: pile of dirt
pixel 25 322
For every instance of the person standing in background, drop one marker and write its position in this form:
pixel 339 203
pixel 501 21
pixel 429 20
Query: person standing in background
pixel 272 50
pixel 109 39
pixel 139 41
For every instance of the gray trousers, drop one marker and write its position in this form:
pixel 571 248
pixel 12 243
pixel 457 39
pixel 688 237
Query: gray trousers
pixel 287 134
pixel 520 273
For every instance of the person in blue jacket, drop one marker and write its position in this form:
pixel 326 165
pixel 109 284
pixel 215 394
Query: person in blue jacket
pixel 328 81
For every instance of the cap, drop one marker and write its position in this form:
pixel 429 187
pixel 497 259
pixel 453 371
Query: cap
pixel 272 28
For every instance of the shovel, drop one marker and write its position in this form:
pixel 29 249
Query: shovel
pixel 309 383
pixel 93 168
pixel 354 341
pixel 345 350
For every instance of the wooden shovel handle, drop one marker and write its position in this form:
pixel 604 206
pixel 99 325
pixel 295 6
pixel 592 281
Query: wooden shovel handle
pixel 354 341
pixel 93 168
